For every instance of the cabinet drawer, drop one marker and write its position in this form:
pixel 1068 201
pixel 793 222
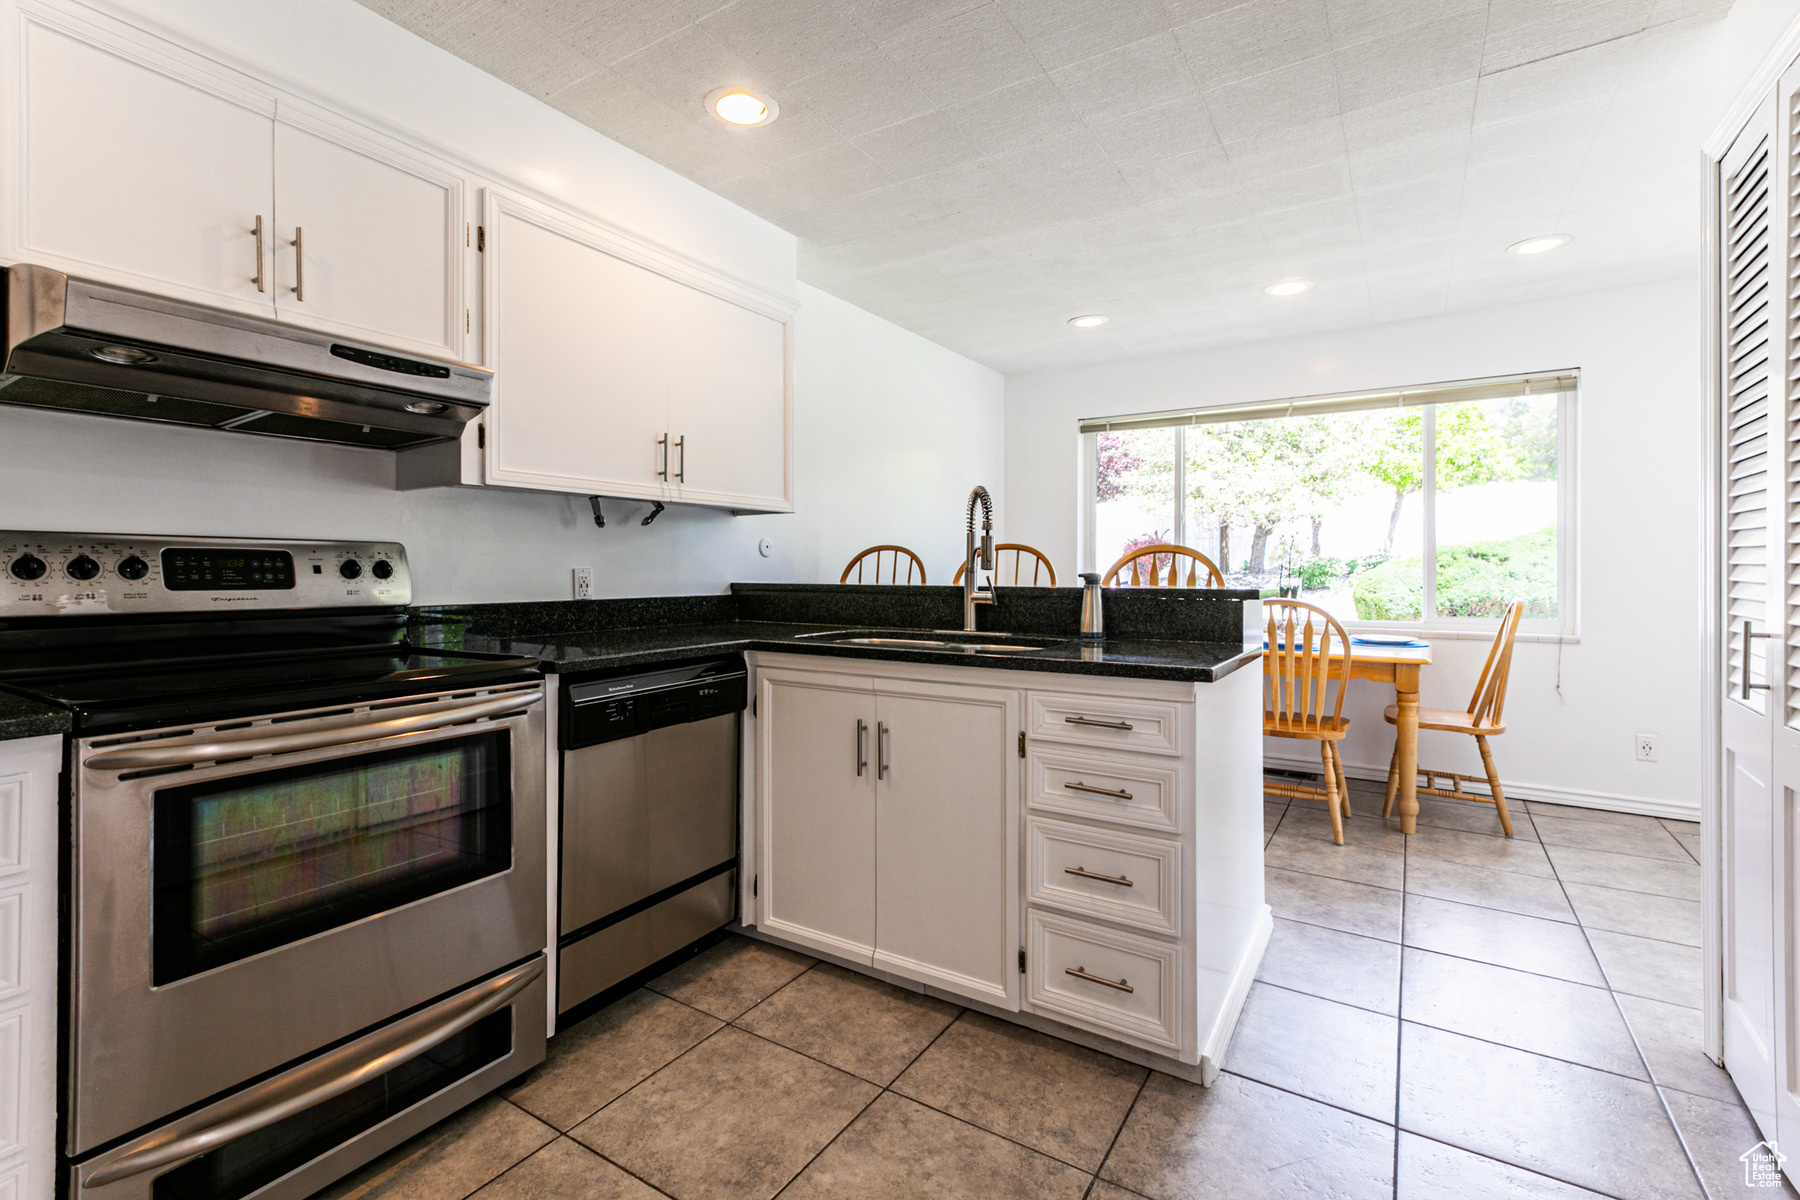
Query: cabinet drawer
pixel 1115 876
pixel 1145 726
pixel 1123 789
pixel 1118 984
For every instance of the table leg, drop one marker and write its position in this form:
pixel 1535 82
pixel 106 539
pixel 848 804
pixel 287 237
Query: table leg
pixel 1406 743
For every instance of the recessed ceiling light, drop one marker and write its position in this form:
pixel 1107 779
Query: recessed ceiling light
pixel 741 106
pixel 1540 245
pixel 1289 287
pixel 1087 321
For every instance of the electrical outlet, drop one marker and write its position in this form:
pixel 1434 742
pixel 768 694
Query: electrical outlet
pixel 584 583
pixel 1646 747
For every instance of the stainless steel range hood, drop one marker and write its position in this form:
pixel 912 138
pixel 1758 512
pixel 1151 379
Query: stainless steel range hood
pixel 80 346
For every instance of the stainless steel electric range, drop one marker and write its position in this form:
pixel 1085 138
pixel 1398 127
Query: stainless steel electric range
pixel 304 891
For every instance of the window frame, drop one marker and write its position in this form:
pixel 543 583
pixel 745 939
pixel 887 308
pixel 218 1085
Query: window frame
pixel 1565 627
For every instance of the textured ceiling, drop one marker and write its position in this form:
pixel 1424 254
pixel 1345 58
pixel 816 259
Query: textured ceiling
pixel 980 172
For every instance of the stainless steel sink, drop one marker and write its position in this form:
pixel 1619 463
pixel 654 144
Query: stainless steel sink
pixel 941 641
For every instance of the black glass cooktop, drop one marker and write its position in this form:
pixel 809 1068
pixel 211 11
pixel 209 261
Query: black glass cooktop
pixel 153 694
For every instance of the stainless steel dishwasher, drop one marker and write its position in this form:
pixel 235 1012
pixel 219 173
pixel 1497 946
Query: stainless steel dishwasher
pixel 649 819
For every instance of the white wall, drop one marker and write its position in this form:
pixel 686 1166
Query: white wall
pixel 1752 28
pixel 892 431
pixel 1636 665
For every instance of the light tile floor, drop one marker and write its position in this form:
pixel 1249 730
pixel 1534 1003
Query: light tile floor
pixel 1451 1015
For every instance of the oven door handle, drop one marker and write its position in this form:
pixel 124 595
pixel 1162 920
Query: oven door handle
pixel 318 1081
pixel 306 735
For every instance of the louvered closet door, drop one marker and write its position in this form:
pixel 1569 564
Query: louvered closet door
pixel 1785 696
pixel 1752 244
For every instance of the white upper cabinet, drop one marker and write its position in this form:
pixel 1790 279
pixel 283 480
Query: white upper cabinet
pixel 140 166
pixel 368 237
pixel 622 371
pixel 144 165
pixel 580 401
pixel 727 401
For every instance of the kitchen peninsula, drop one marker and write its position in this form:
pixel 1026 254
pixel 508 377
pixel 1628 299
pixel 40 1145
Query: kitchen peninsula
pixel 1061 835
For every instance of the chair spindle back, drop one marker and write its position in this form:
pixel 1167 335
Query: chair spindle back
pixel 1148 561
pixel 1297 665
pixel 870 564
pixel 1489 701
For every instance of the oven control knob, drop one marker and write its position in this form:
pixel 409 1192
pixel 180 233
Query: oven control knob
pixel 383 569
pixel 83 568
pixel 350 569
pixel 28 567
pixel 133 568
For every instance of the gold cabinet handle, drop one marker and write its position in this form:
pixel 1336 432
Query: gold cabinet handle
pixel 1125 725
pixel 1110 793
pixel 1118 985
pixel 258 231
pixel 299 264
pixel 1087 874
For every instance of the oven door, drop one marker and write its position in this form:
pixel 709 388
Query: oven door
pixel 248 894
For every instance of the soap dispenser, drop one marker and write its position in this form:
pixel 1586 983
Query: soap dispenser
pixel 1093 624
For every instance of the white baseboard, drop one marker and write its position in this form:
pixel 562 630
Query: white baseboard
pixel 1643 806
pixel 1218 1038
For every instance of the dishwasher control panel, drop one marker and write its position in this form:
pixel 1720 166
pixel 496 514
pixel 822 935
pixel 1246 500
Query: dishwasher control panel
pixel 607 708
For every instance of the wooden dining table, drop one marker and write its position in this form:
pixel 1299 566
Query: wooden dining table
pixel 1398 665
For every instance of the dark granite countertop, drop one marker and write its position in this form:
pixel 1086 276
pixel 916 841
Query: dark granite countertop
pixel 22 718
pixel 607 649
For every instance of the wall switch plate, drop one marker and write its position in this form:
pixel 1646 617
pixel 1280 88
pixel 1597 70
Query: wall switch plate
pixel 584 583
pixel 1646 747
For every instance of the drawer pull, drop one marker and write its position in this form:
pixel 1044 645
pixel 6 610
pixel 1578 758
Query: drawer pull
pixel 1087 874
pixel 1098 791
pixel 1125 725
pixel 1116 985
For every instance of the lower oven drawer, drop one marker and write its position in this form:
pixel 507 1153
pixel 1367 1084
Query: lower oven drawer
pixel 479 1039
pixel 1105 981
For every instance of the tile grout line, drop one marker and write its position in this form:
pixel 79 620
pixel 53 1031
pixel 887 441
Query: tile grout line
pixel 1094 1180
pixel 1661 1100
pixel 881 1090
pixel 1400 1003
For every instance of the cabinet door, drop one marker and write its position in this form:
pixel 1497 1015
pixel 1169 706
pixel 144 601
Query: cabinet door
pixel 581 387
pixel 369 237
pixel 947 840
pixel 817 815
pixel 728 402
pixel 142 167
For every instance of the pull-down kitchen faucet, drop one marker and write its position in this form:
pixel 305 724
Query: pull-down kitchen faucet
pixel 974 557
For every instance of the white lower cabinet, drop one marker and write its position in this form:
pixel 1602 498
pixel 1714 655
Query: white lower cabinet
pixel 29 771
pixel 889 819
pixel 1119 984
pixel 954 827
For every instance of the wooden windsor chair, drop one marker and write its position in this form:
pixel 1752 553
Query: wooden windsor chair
pixel 1299 666
pixel 870 564
pixel 1481 720
pixel 1202 572
pixel 1042 573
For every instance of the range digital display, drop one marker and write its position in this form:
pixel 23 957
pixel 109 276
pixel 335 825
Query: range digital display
pixel 194 569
